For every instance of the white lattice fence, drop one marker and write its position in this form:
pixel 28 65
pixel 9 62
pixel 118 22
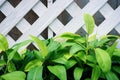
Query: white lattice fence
pixel 17 20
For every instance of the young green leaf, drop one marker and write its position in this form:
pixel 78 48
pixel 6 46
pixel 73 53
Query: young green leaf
pixel 11 66
pixel 33 64
pixel 116 69
pixel 70 63
pixel 59 71
pixel 17 75
pixel 16 47
pixel 111 49
pixel 116 52
pixel 3 43
pixel 95 73
pixel 111 76
pixel 41 46
pixel 35 73
pixel 89 23
pixel 69 35
pixel 75 48
pixel 2 63
pixel 78 73
pixel 38 54
pixel 103 59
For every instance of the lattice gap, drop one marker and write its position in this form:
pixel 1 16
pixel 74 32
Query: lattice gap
pixel 64 17
pixel 15 33
pixel 114 32
pixel 82 3
pixel 114 3
pixel 2 16
pixel 14 3
pixel 99 18
pixel 31 16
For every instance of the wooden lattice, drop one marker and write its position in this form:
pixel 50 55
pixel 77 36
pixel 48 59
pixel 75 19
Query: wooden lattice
pixel 52 19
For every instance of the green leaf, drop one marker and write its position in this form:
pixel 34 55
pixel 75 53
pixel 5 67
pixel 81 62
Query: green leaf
pixel 116 69
pixel 116 52
pixel 33 64
pixel 70 63
pixel 75 48
pixel 53 45
pixel 59 71
pixel 35 73
pixel 16 47
pixel 82 56
pixel 111 49
pixel 61 60
pixel 78 73
pixel 38 55
pixel 11 66
pixel 69 35
pixel 17 75
pixel 3 43
pixel 95 73
pixel 41 46
pixel 111 76
pixel 91 58
pixel 89 23
pixel 103 58
pixel 2 63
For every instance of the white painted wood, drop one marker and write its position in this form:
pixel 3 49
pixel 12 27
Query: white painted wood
pixel 77 22
pixel 50 32
pixel 106 10
pixel 74 9
pixel 23 26
pixel 7 8
pixel 16 15
pixel 46 19
pixel 56 26
pixel 117 28
pixel 109 23
pixel 2 1
pixel 39 9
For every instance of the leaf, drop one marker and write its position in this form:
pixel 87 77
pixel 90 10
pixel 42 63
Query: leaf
pixel 33 64
pixel 41 46
pixel 111 76
pixel 70 63
pixel 17 75
pixel 53 45
pixel 16 47
pixel 91 58
pixel 38 55
pixel 103 58
pixel 11 66
pixel 111 49
pixel 35 73
pixel 75 48
pixel 89 23
pixel 78 73
pixel 61 60
pixel 95 73
pixel 116 52
pixel 2 63
pixel 69 35
pixel 81 56
pixel 3 42
pixel 116 69
pixel 59 71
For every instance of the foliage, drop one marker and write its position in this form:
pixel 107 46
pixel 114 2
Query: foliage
pixel 66 57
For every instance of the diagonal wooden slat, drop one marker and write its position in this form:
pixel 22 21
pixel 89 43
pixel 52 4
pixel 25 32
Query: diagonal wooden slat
pixel 16 15
pixel 2 1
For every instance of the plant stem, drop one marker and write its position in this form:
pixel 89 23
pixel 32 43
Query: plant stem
pixel 87 44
